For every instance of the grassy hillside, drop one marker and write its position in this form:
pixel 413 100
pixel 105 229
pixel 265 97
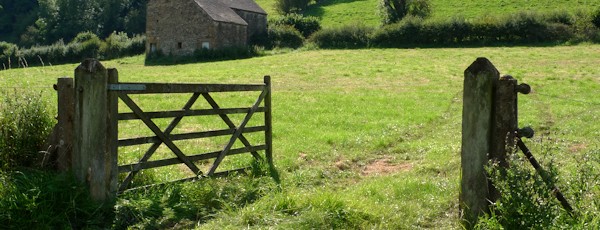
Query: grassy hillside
pixel 366 138
pixel 342 12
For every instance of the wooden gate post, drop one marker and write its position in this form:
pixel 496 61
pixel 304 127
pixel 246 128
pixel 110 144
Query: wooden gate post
pixel 268 122
pixel 92 162
pixel 66 107
pixel 478 93
pixel 112 134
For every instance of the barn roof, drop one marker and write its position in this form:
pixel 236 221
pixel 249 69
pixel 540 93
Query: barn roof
pixel 245 5
pixel 220 11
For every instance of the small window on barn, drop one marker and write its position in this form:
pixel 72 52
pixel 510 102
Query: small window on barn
pixel 205 45
pixel 179 45
pixel 152 47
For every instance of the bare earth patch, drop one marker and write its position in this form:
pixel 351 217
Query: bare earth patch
pixel 384 166
pixel 577 148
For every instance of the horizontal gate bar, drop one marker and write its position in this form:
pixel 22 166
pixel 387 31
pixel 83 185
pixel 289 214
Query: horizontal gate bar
pixel 149 88
pixel 184 113
pixel 172 161
pixel 190 179
pixel 126 87
pixel 186 136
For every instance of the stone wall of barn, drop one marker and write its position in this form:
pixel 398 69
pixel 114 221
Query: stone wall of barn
pixel 178 27
pixel 257 23
pixel 230 35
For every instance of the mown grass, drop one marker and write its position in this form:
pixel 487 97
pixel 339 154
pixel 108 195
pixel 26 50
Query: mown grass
pixel 335 13
pixel 337 113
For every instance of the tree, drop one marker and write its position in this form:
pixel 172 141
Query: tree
pixel 395 10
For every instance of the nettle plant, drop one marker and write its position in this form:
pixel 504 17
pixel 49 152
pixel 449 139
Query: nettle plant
pixel 528 202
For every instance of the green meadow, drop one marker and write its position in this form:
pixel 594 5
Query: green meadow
pixel 343 12
pixel 363 139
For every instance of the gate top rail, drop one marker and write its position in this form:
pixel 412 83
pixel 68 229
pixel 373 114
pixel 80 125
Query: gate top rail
pixel 152 88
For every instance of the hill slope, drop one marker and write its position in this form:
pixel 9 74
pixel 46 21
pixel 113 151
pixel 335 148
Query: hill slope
pixel 342 12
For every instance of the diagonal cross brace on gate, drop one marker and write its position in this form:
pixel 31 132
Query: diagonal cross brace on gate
pixel 165 136
pixel 157 144
pixel 95 144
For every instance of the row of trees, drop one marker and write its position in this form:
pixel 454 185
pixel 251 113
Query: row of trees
pixel 43 22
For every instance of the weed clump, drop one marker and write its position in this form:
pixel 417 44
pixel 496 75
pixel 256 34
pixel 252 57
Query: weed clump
pixel 25 123
pixel 527 202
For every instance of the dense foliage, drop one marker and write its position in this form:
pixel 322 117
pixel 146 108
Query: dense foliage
pixel 284 36
pixel 395 10
pixel 306 25
pixel 519 28
pixel 528 200
pixel 44 22
pixel 347 37
pixel 25 123
pixel 84 45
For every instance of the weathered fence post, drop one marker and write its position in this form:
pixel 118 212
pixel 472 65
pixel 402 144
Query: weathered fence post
pixel 268 122
pixel 478 93
pixel 92 161
pixel 66 106
pixel 112 136
pixel 488 133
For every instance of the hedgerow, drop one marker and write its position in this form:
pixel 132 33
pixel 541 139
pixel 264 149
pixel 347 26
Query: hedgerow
pixel 520 28
pixel 85 45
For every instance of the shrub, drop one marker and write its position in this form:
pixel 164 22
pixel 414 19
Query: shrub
pixel 306 25
pixel 347 37
pixel 8 52
pixel 284 37
pixel 115 45
pixel 596 18
pixel 85 45
pixel 24 126
pixel 393 11
pixel 528 203
pixel 118 44
pixel 406 32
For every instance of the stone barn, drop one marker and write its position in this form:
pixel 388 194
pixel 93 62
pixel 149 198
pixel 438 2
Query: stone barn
pixel 179 27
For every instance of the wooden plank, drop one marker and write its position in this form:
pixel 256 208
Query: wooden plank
pixel 187 136
pixel 112 134
pixel 237 134
pixel 66 110
pixel 172 161
pixel 89 148
pixel 268 121
pixel 228 122
pixel 182 113
pixel 125 98
pixel 157 144
pixel 190 179
pixel 152 88
pixel 479 81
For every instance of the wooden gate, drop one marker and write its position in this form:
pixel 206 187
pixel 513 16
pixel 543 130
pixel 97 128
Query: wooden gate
pixel 123 90
pixel 91 151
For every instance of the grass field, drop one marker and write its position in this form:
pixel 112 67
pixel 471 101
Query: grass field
pixel 368 138
pixel 343 12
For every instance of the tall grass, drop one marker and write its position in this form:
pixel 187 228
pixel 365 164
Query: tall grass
pixel 25 124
